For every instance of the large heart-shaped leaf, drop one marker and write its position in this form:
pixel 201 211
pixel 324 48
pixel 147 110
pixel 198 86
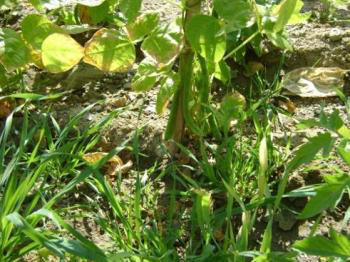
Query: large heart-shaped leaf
pixel 161 46
pixel 43 28
pixel 207 37
pixel 60 52
pixel 110 51
pixel 237 14
pixel 13 51
pixel 143 25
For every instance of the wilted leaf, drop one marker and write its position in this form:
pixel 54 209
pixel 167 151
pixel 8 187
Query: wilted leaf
pixel 6 108
pixel 60 52
pixel 13 51
pixel 110 51
pixel 143 26
pixel 314 82
pixel 113 165
pixel 43 28
pixel 207 37
pixel 237 14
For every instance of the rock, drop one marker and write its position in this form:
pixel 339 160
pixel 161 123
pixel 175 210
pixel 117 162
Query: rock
pixel 286 220
pixel 335 34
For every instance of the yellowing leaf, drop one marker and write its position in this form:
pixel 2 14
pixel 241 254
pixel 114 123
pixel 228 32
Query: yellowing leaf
pixel 110 51
pixel 43 28
pixel 60 52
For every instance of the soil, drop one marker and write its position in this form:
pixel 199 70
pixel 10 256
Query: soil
pixel 315 44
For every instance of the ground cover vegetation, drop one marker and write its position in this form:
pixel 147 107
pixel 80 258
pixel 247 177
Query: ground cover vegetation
pixel 222 181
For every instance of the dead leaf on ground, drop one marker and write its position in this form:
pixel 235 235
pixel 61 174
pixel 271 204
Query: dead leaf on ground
pixel 6 108
pixel 314 82
pixel 112 167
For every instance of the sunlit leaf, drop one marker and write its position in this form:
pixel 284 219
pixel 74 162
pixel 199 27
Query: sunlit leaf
pixel 145 78
pixel 237 14
pixel 60 52
pixel 110 51
pixel 284 12
pixel 143 25
pixel 327 195
pixel 43 28
pixel 54 4
pixel 167 89
pixel 307 152
pixel 206 37
pixel 161 47
pixel 337 246
pixel 13 51
pixel 130 8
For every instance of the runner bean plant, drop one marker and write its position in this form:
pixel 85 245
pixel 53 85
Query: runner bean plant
pixel 181 58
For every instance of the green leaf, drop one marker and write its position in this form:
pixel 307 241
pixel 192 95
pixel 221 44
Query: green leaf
pixel 161 47
pixel 167 89
pixel 130 8
pixel 43 28
pixel 327 195
pixel 284 12
pixel 206 37
pixel 222 72
pixel 13 51
pixel 143 26
pixel 344 151
pixel 99 13
pixel 54 4
pixel 237 14
pixel 308 151
pixel 337 246
pixel 110 51
pixel 298 17
pixel 60 52
pixel 145 78
pixel 279 40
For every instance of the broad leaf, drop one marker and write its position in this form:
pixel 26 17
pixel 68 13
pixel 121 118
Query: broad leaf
pixel 207 37
pixel 279 40
pixel 167 89
pixel 284 12
pixel 110 51
pixel 60 52
pixel 146 76
pixel 298 17
pixel 237 14
pixel 43 28
pixel 54 4
pixel 307 152
pixel 143 25
pixel 327 195
pixel 13 51
pixel 130 8
pixel 161 47
pixel 337 246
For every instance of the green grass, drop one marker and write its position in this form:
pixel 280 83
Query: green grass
pixel 203 210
